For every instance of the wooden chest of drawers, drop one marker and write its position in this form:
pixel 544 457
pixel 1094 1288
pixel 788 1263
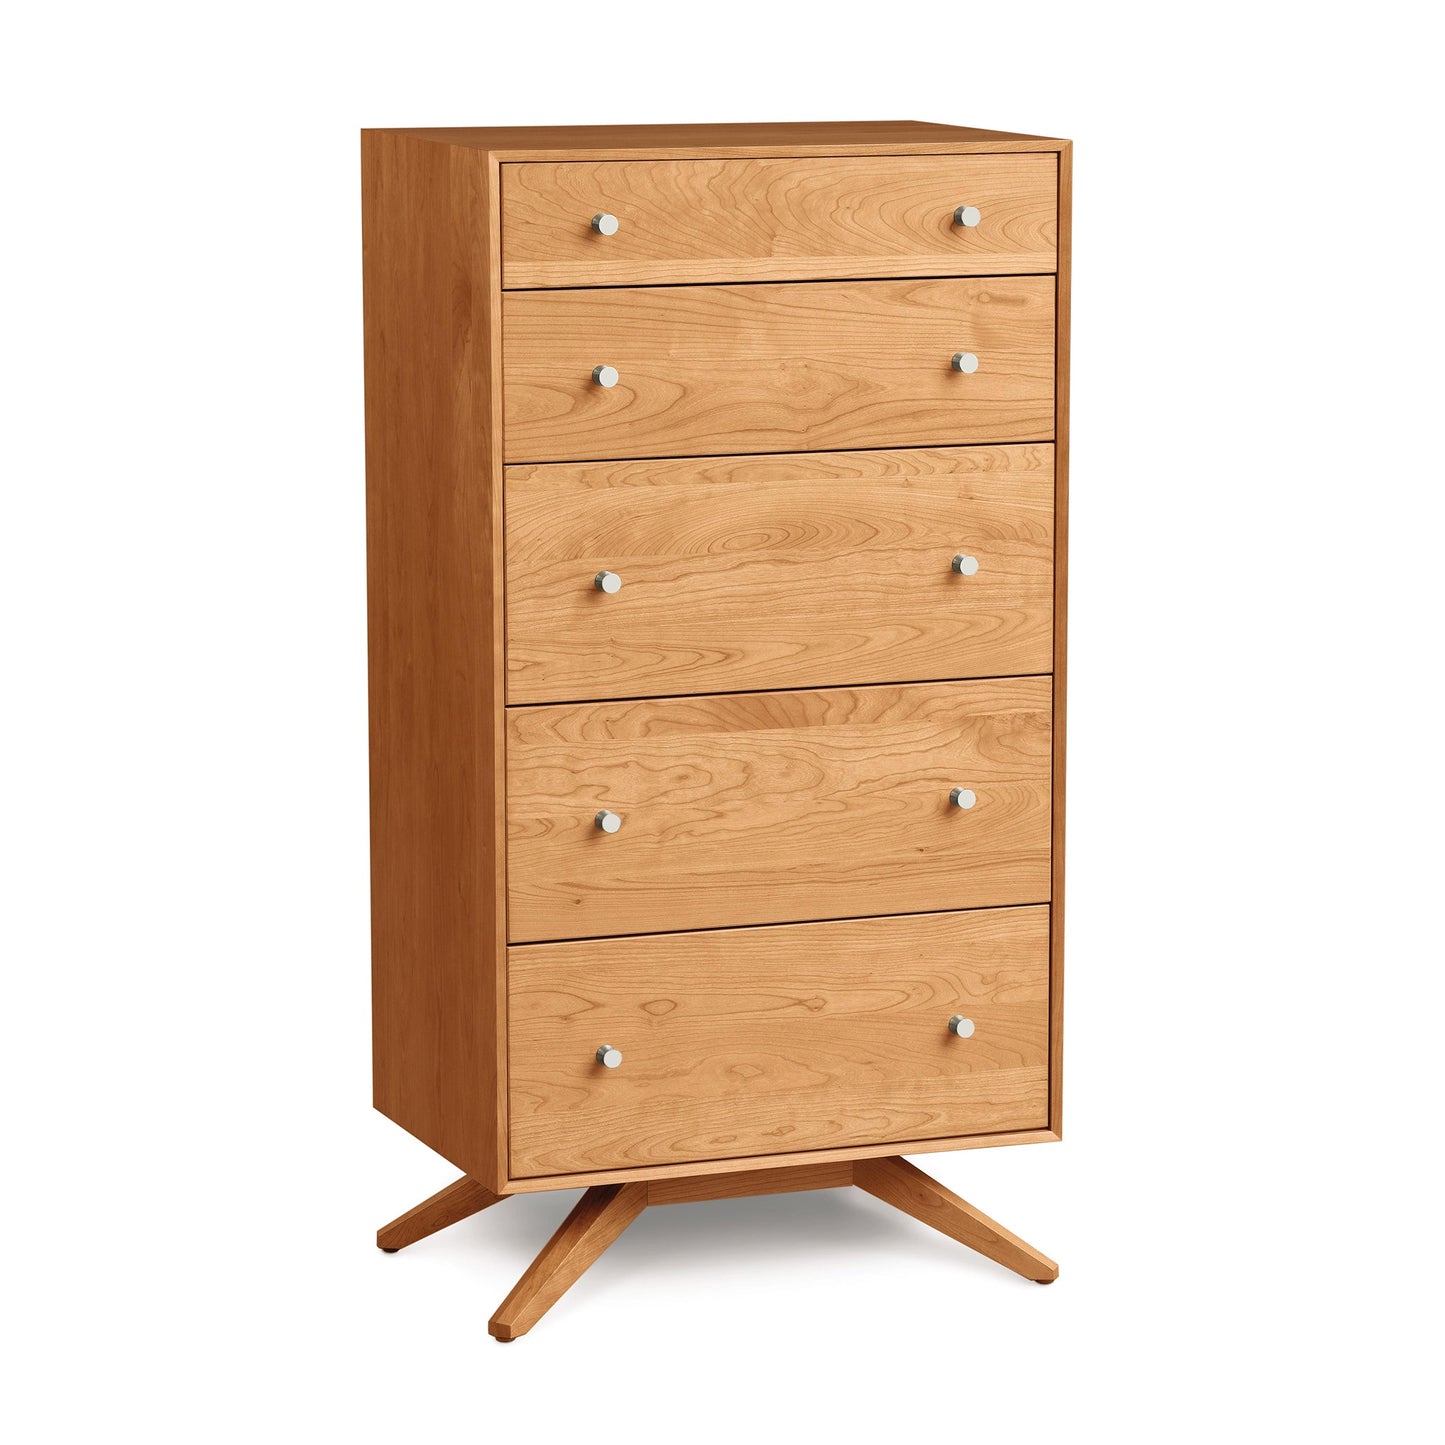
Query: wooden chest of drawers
pixel 716 516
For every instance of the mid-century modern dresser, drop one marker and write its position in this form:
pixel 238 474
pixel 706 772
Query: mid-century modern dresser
pixel 716 482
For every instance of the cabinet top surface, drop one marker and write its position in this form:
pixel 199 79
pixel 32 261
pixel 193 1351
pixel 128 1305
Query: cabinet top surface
pixel 845 137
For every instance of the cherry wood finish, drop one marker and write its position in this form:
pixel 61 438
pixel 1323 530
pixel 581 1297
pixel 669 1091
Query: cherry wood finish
pixel 699 1188
pixel 785 416
pixel 778 1159
pixel 434 583
pixel 745 808
pixel 431 982
pixel 787 138
pixel 598 1219
pixel 827 365
pixel 602 1214
pixel 906 1187
pixel 446 1207
pixel 749 1040
pixel 1061 639
pixel 777 220
pixel 754 572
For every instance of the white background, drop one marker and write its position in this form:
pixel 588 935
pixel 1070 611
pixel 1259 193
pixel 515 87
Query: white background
pixel 1240 1207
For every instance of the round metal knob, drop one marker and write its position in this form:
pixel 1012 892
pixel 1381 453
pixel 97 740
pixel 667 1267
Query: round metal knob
pixel 964 361
pixel 957 1025
pixel 964 216
pixel 605 224
pixel 607 375
pixel 609 822
pixel 609 1057
pixel 963 564
pixel 962 798
pixel 610 582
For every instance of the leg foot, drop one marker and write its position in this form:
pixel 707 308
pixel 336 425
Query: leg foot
pixel 899 1183
pixel 598 1218
pixel 456 1202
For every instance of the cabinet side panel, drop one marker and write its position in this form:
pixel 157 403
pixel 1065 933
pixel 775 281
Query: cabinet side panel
pixel 433 503
pixel 1061 636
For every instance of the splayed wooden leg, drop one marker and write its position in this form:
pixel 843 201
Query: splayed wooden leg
pixel 456 1202
pixel 899 1183
pixel 598 1219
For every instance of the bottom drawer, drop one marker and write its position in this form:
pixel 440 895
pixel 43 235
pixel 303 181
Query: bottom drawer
pixel 754 1041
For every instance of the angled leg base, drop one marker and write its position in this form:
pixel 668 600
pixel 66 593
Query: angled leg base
pixel 605 1210
pixel 899 1183
pixel 596 1221
pixel 456 1202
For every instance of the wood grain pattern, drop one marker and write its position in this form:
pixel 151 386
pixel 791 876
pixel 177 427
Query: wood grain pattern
pixel 699 1188
pixel 1061 645
pixel 711 370
pixel 597 1220
pixel 772 807
pixel 435 551
pixel 446 1207
pixel 777 220
pixel 757 1039
pixel 789 138
pixel 789 1158
pixel 906 1187
pixel 754 572
pixel 434 586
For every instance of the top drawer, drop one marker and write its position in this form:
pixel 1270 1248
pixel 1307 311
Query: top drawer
pixel 777 220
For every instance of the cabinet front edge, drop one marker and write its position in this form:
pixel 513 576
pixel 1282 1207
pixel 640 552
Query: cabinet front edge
pixel 543 1183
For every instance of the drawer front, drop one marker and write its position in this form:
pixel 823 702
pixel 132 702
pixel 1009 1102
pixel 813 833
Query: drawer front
pixel 777 220
pixel 716 370
pixel 757 572
pixel 773 807
pixel 765 1040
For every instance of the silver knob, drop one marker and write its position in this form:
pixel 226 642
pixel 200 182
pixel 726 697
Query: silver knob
pixel 609 822
pixel 964 361
pixel 959 797
pixel 607 375
pixel 605 224
pixel 963 564
pixel 957 1025
pixel 611 583
pixel 963 216
pixel 609 1057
